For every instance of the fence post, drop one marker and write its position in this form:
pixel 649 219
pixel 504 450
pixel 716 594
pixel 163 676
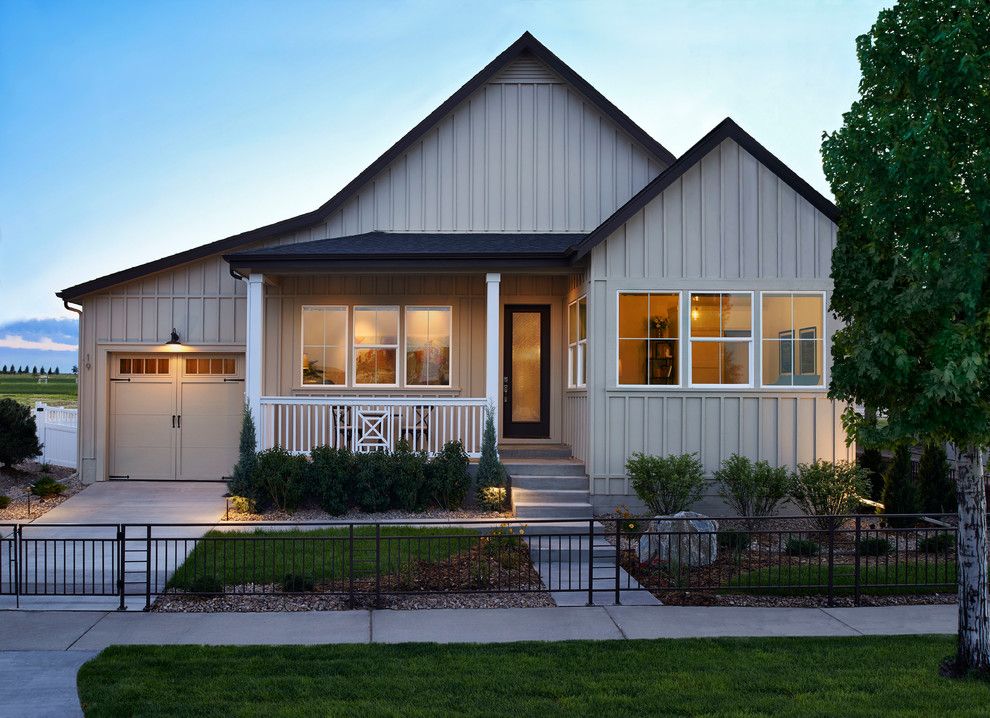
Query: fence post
pixel 618 556
pixel 17 565
pixel 857 569
pixel 378 565
pixel 831 560
pixel 591 562
pixel 147 572
pixel 350 570
pixel 121 565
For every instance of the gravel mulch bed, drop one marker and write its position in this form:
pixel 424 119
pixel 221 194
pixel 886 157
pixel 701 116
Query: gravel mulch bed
pixel 16 483
pixel 319 515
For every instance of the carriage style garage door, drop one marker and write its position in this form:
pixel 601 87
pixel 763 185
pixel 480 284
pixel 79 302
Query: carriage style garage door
pixel 175 416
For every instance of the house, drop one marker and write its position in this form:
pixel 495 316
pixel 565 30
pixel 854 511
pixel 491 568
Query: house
pixel 528 246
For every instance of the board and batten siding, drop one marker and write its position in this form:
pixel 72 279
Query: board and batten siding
pixel 727 223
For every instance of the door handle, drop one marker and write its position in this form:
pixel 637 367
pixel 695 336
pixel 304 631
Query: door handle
pixel 179 418
pixel 173 421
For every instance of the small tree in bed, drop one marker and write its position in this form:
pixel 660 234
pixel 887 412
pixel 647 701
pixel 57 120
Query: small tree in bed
pixel 490 481
pixel 18 433
pixel 241 481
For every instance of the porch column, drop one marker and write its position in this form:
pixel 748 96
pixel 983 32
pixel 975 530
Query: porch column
pixel 492 383
pixel 255 350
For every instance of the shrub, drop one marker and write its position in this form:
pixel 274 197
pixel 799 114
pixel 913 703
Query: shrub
pixel 298 583
pixel 329 478
pixel 242 504
pixel 205 585
pixel 373 481
pixel 872 461
pixel 938 491
pixel 279 479
pixel 733 540
pixel 801 547
pixel 939 543
pixel 241 482
pixel 667 484
pixel 447 479
pixel 18 433
pixel 900 490
pixel 490 480
pixel 408 477
pixel 752 489
pixel 45 487
pixel 46 468
pixel 4 501
pixel 827 490
pixel 873 546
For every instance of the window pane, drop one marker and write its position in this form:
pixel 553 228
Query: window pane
pixel 216 366
pixel 388 326
pixel 664 309
pixel 229 366
pixel 428 346
pixel 808 360
pixel 632 361
pixel 705 362
pixel 737 315
pixel 365 331
pixel 335 327
pixel 374 366
pixel 735 362
pixel 125 366
pixel 313 368
pixel 633 314
pixel 572 366
pixel 572 323
pixel 191 366
pixel 705 315
pixel 163 366
pixel 583 364
pixel 335 366
pixel 808 313
pixel 312 328
pixel 778 359
pixel 582 318
pixel 663 362
pixel 776 315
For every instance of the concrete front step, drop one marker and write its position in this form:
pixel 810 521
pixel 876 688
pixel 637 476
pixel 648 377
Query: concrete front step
pixel 544 468
pixel 573 483
pixel 542 510
pixel 534 451
pixel 548 495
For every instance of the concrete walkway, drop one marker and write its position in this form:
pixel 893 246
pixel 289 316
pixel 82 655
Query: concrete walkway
pixel 41 651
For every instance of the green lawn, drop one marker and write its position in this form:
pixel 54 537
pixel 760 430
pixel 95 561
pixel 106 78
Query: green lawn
pixel 867 676
pixel 876 578
pixel 60 390
pixel 323 554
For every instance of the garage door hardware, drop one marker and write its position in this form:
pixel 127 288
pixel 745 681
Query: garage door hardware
pixel 176 421
pixel 113 379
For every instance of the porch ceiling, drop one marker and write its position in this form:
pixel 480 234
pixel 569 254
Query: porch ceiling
pixel 432 251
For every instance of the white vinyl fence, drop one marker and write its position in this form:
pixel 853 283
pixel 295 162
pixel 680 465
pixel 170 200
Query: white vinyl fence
pixel 57 429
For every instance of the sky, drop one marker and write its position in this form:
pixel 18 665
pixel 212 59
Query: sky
pixel 132 130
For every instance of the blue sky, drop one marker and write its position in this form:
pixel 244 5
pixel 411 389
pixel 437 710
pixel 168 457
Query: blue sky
pixel 136 129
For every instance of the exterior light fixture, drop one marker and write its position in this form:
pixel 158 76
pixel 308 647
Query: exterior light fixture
pixel 174 337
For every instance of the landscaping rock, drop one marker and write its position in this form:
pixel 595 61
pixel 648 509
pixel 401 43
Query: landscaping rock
pixel 686 538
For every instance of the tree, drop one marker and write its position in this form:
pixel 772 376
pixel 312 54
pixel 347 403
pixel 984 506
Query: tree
pixel 910 170
pixel 34 371
pixel 872 461
pixel 900 489
pixel 4 369
pixel 938 491
pixel 57 371
pixel 18 433
pixel 490 479
pixel 241 482
pixel 75 369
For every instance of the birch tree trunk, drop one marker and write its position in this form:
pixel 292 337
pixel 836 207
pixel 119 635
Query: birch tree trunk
pixel 973 652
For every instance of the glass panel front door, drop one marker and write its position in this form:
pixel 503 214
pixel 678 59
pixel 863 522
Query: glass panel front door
pixel 526 379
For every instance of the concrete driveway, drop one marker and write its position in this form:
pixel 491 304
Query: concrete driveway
pixel 141 502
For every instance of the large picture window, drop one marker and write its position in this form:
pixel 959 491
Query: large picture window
pixel 721 339
pixel 577 343
pixel 324 351
pixel 428 346
pixel 376 345
pixel 649 338
pixel 793 342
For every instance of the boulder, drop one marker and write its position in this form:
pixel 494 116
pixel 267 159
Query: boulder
pixel 686 538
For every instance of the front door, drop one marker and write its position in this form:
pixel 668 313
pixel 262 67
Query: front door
pixel 526 372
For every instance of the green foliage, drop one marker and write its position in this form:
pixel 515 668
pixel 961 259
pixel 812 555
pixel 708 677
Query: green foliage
pixel 734 540
pixel 4 501
pixel 910 170
pixel 872 461
pixel 938 490
pixel 241 482
pixel 873 546
pixel 667 484
pixel 752 489
pixel 447 479
pixel 408 477
pixel 18 433
pixel 900 490
pixel 490 479
pixel 373 481
pixel 939 543
pixel 329 476
pixel 298 583
pixel 279 480
pixel 826 490
pixel 801 547
pixel 46 486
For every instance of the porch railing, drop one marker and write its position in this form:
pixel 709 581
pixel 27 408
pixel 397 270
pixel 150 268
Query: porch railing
pixel 362 424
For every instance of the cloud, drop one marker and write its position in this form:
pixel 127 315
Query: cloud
pixel 14 341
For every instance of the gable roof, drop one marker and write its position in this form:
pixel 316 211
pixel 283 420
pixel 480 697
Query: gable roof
pixel 727 129
pixel 525 45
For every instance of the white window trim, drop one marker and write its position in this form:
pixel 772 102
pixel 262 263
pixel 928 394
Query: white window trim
pixel 824 340
pixel 680 340
pixel 580 347
pixel 399 364
pixel 405 345
pixel 302 342
pixel 752 338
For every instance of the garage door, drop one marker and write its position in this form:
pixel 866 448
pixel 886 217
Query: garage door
pixel 175 416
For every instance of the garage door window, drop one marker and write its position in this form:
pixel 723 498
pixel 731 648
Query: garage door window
pixel 144 365
pixel 211 367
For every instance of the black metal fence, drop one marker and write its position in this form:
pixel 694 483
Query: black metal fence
pixel 603 559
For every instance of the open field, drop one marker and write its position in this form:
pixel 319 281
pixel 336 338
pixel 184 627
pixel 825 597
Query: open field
pixel 864 676
pixel 61 389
